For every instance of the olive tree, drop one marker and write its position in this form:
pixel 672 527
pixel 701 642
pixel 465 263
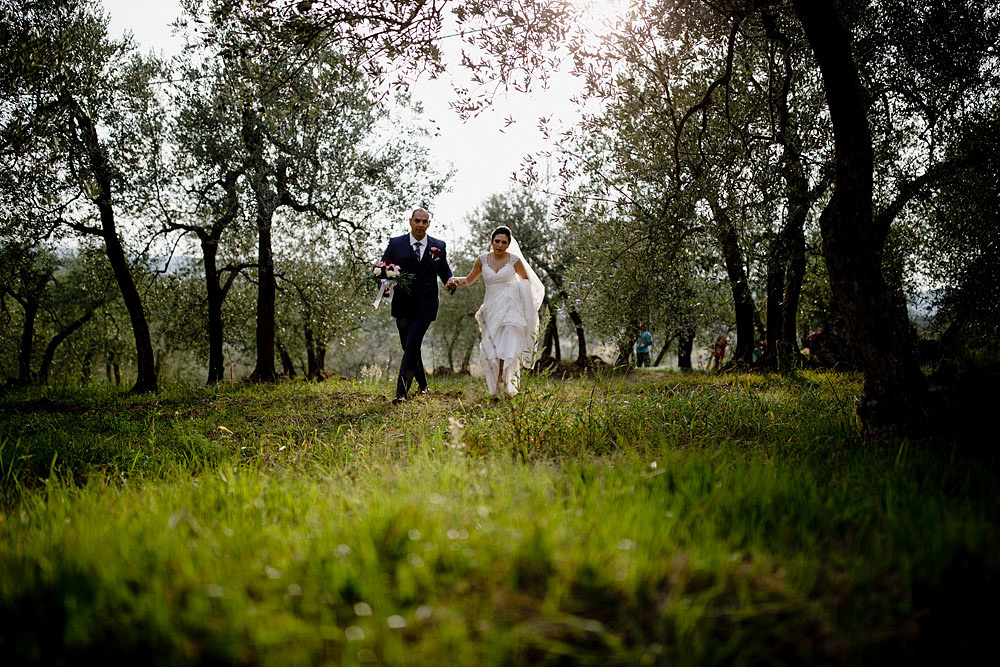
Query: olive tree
pixel 80 118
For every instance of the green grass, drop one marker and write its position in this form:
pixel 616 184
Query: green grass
pixel 655 518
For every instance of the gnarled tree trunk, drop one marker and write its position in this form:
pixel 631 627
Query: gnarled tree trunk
pixel 685 345
pixel 894 388
pixel 265 200
pixel 45 368
pixel 216 362
pixel 30 306
pixel 786 257
pixel 145 359
pixel 743 304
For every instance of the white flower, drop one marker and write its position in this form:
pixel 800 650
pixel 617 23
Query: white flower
pixel 392 273
pixel 377 270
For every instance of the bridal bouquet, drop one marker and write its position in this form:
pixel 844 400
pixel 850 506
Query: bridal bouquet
pixel 388 276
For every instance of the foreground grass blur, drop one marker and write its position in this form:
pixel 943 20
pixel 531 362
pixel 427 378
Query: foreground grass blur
pixel 656 518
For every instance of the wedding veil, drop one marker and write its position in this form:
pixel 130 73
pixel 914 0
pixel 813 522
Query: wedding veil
pixel 537 288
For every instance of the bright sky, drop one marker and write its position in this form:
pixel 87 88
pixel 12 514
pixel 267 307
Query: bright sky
pixel 485 151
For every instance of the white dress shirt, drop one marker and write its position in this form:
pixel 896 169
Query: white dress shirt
pixel 423 246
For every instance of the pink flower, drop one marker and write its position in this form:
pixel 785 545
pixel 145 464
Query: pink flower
pixel 436 252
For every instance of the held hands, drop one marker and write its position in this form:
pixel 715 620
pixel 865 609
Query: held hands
pixel 451 285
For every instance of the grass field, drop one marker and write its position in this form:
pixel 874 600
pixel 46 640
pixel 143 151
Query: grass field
pixel 652 518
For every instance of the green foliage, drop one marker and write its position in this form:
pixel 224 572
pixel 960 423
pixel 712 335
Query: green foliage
pixel 80 116
pixel 673 188
pixel 379 36
pixel 964 244
pixel 322 302
pixel 653 517
pixel 68 297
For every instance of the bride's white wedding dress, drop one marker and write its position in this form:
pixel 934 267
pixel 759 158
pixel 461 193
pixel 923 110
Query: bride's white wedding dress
pixel 508 322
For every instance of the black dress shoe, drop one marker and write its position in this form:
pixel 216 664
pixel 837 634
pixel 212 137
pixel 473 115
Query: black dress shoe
pixel 398 400
pixel 425 391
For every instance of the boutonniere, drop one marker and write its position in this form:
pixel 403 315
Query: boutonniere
pixel 436 253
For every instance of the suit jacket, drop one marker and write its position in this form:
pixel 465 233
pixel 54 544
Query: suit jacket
pixel 421 295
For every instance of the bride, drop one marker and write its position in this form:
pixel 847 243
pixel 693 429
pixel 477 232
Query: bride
pixel 508 318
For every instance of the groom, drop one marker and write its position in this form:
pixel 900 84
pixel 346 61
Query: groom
pixel 414 309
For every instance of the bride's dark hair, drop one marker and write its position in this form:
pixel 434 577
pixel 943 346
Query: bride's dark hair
pixel 501 230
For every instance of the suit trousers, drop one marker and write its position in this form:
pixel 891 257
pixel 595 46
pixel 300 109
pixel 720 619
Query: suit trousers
pixel 411 337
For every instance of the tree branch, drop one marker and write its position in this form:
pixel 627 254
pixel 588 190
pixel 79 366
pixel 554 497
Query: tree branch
pixel 912 188
pixel 234 270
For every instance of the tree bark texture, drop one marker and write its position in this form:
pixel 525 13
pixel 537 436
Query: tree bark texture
pixel 286 360
pixel 852 241
pixel 209 239
pixel 30 306
pixel 795 272
pixel 45 367
pixel 549 337
pixel 315 353
pixel 786 257
pixel 265 201
pixel 685 345
pixel 264 370
pixel 581 339
pixel 663 352
pixel 743 304
pixel 146 381
pixel 216 362
pixel 786 265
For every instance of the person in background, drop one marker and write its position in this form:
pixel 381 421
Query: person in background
pixel 719 351
pixel 643 346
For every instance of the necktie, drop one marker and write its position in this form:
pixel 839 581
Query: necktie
pixel 416 249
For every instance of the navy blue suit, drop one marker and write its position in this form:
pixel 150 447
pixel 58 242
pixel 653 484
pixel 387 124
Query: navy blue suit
pixel 415 308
